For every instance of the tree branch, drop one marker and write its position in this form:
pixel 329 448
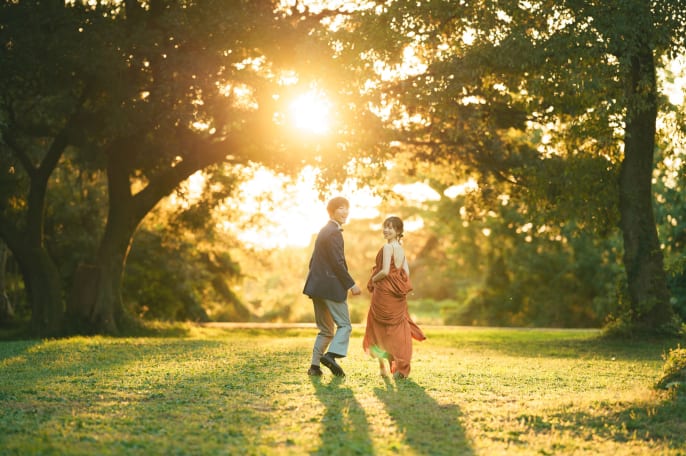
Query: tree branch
pixel 198 154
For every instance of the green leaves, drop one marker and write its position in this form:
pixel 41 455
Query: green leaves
pixel 674 370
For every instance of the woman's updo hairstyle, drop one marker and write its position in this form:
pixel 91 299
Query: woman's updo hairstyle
pixel 397 224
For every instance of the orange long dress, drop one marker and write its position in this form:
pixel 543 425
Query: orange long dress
pixel 390 329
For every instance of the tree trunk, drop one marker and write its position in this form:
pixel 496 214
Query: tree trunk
pixel 6 307
pixel 26 240
pixel 81 301
pixel 42 283
pixel 95 305
pixel 126 211
pixel 650 308
pixel 41 276
pixel 108 311
pixel 44 287
pixel 100 303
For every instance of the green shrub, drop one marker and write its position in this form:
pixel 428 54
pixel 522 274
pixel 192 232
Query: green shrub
pixel 674 370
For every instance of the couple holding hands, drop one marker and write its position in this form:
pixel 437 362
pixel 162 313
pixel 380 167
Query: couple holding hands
pixel 390 330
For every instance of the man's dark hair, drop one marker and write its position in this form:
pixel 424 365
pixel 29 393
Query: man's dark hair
pixel 335 203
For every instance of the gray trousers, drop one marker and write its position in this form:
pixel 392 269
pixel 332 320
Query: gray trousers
pixel 327 314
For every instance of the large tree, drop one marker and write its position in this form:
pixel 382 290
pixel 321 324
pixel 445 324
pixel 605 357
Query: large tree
pixel 149 92
pixel 501 75
pixel 40 107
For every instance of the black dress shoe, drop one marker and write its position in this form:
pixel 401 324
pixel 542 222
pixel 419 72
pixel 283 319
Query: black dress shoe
pixel 330 362
pixel 314 371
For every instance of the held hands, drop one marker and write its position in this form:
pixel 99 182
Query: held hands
pixel 355 290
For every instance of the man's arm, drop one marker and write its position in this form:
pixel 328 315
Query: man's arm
pixel 338 263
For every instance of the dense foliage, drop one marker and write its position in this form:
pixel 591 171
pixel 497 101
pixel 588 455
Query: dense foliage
pixel 550 104
pixel 134 97
pixel 553 109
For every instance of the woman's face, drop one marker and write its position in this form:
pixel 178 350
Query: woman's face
pixel 389 232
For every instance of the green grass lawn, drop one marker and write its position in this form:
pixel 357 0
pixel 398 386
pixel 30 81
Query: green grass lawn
pixel 244 391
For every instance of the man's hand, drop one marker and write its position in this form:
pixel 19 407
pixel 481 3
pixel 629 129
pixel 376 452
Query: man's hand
pixel 355 290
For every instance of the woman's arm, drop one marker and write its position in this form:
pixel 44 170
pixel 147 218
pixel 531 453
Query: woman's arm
pixel 385 263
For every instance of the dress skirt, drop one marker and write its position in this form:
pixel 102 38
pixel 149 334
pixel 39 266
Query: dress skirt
pixel 390 330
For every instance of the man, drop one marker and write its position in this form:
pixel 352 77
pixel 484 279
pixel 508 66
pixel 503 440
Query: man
pixel 328 283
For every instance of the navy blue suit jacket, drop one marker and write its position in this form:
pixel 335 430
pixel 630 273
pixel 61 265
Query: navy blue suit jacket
pixel 328 277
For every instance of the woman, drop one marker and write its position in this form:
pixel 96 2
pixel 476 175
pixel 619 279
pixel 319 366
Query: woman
pixel 390 329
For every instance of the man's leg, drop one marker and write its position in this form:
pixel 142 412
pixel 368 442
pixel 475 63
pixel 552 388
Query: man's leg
pixel 325 324
pixel 340 315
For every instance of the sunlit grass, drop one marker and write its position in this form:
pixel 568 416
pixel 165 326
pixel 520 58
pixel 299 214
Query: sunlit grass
pixel 214 391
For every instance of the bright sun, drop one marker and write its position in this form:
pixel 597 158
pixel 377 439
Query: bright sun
pixel 311 112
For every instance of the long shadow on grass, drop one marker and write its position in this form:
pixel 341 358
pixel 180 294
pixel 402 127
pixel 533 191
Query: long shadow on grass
pixel 15 348
pixel 661 422
pixel 429 427
pixel 345 429
pixel 552 343
pixel 59 386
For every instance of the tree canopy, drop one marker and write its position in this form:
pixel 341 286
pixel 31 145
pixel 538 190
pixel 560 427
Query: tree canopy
pixel 144 93
pixel 550 107
pixel 555 100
